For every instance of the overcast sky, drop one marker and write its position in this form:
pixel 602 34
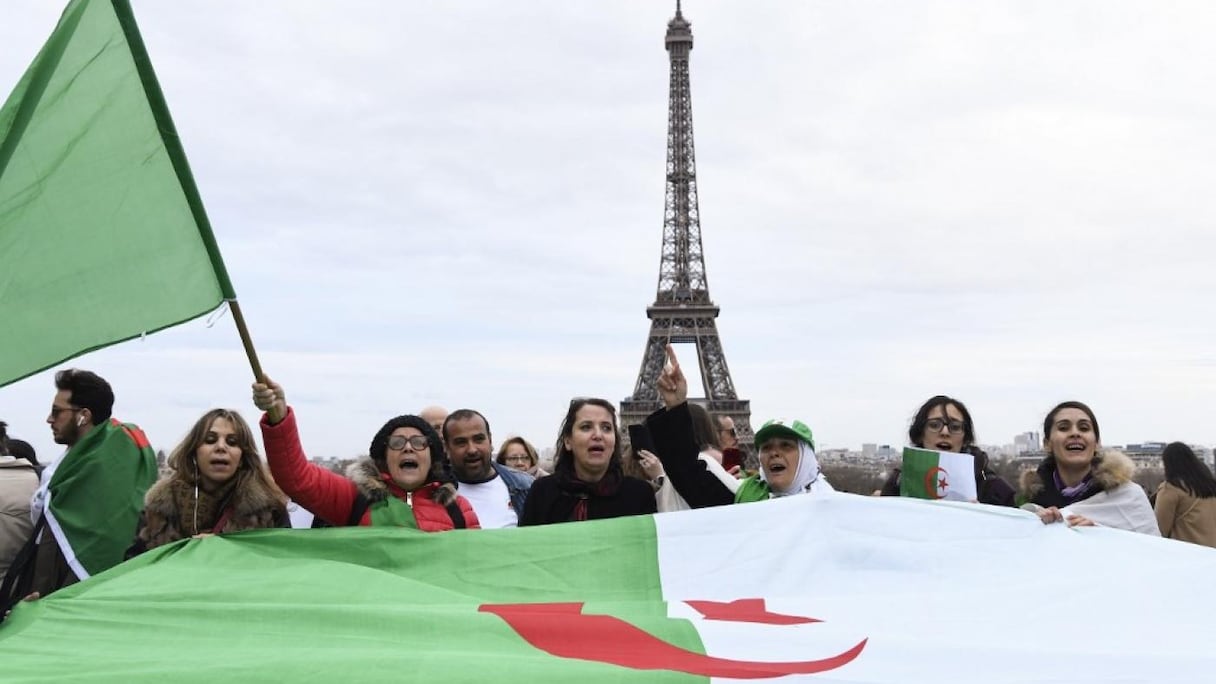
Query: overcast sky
pixel 461 203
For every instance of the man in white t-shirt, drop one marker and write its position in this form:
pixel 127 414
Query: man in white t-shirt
pixel 497 493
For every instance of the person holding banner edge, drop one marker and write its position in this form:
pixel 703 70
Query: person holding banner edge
pixel 1082 484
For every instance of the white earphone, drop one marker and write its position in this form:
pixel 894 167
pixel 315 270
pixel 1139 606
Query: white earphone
pixel 79 421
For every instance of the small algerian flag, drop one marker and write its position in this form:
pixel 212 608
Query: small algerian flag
pixel 929 474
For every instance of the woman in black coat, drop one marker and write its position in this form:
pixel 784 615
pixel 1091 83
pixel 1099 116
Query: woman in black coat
pixel 587 482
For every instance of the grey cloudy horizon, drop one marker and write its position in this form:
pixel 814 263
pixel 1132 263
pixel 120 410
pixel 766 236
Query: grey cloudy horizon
pixel 462 204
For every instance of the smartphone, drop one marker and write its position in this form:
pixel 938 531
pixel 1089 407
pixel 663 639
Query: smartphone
pixel 732 457
pixel 639 437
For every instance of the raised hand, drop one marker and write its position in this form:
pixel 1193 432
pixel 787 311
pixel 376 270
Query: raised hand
pixel 269 397
pixel 673 386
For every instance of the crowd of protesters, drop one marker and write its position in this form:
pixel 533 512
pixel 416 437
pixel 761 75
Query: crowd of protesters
pixel 102 502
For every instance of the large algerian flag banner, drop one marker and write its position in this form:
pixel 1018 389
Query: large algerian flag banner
pixel 102 232
pixel 840 588
pixel 929 474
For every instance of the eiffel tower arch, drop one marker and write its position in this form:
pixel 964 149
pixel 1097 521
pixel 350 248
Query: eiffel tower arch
pixel 683 311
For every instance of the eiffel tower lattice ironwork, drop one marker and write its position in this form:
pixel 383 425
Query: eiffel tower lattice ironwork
pixel 682 311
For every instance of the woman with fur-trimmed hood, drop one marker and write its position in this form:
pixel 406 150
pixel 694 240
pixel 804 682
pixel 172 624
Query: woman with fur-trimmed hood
pixel 217 485
pixel 1081 484
pixel 406 482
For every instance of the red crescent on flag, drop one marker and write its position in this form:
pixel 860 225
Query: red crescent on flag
pixel 931 481
pixel 561 629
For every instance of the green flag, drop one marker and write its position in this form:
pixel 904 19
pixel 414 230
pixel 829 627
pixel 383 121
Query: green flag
pixel 96 493
pixel 103 236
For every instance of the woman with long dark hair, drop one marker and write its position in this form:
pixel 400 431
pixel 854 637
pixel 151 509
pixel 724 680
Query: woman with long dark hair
pixel 944 424
pixel 1186 501
pixel 588 482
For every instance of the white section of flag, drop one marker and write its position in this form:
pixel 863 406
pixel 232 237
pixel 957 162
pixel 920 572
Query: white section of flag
pixel 957 476
pixel 944 591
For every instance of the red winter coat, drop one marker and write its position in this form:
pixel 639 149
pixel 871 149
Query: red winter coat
pixel 332 497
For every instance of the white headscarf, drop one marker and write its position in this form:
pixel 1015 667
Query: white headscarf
pixel 804 477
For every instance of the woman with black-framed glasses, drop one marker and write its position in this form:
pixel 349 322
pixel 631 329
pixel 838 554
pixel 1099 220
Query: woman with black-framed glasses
pixel 405 482
pixel 944 424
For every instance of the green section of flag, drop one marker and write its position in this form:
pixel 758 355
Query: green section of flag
pixel 102 232
pixel 917 479
pixel 96 495
pixel 348 604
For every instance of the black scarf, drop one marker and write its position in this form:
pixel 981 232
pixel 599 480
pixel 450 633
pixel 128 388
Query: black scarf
pixel 580 492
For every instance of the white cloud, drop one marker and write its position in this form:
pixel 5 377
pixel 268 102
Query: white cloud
pixel 424 202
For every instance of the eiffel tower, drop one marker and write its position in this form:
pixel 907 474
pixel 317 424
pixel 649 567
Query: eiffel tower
pixel 682 311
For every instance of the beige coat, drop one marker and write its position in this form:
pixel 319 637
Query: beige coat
pixel 18 480
pixel 1186 517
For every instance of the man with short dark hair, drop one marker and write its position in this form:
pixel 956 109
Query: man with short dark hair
pixel 87 506
pixel 497 493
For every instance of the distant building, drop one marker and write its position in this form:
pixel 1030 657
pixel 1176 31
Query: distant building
pixel 1145 455
pixel 869 450
pixel 1027 442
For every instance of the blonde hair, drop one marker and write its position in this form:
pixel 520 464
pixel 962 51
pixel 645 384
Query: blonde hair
pixel 185 468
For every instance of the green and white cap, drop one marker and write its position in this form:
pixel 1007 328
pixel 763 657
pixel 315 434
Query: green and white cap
pixel 780 427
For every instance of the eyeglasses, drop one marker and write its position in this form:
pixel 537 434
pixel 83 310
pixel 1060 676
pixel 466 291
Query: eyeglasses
pixel 416 442
pixel 936 425
pixel 730 431
pixel 517 458
pixel 56 410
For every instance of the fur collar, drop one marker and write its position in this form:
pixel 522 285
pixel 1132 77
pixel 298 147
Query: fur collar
pixel 166 518
pixel 375 488
pixel 366 477
pixel 1112 469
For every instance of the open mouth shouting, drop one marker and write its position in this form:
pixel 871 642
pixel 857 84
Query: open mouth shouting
pixel 410 469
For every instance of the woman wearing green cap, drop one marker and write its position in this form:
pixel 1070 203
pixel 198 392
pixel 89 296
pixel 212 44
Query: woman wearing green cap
pixel 787 452
pixel 787 463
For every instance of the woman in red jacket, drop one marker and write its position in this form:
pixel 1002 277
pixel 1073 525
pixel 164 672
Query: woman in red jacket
pixel 406 482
